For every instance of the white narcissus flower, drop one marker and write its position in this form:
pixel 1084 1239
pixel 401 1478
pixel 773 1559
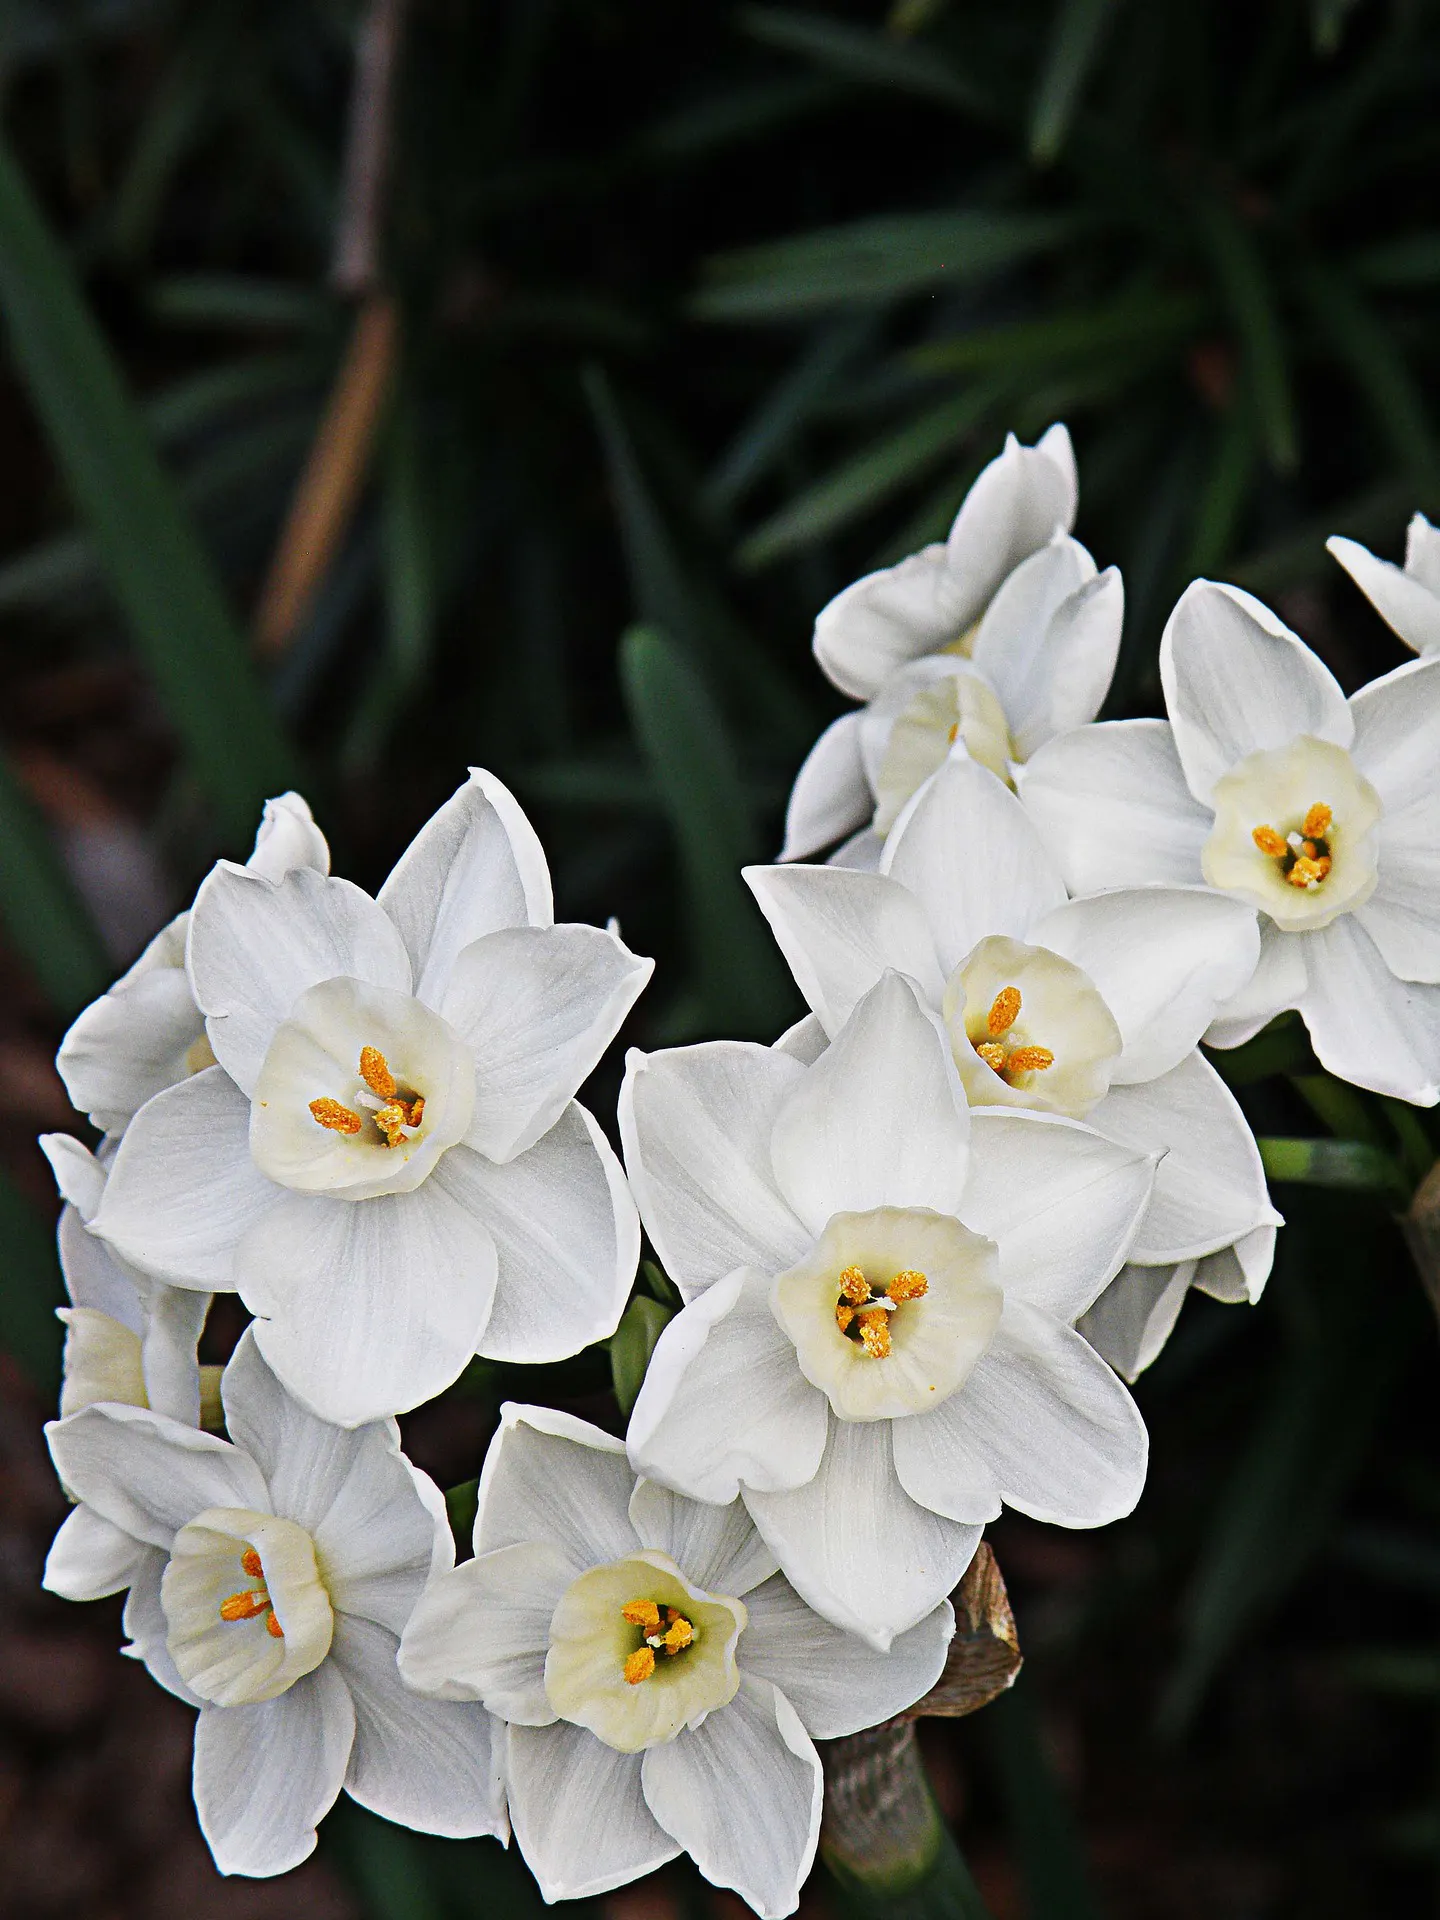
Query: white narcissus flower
pixel 1089 1008
pixel 269 1581
pixel 1001 637
pixel 1270 785
pixel 661 1682
pixel 388 1164
pixel 1406 598
pixel 877 1348
pixel 147 1033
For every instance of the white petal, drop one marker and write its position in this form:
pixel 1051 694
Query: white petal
pixel 696 1124
pixel 1014 507
pixel 839 931
pixel 836 1682
pixel 288 837
pixel 265 1776
pixel 183 1188
pixel 715 1547
pixel 367 1307
pixel 880 1120
pixel 1422 552
pixel 96 1277
pixel 724 1400
pixel 1210 1187
pixel 1164 959
pixel 538 1005
pixel 942 1469
pixel 973 859
pixel 1366 1026
pixel 861 853
pixel 548 1476
pixel 805 1041
pixel 90 1557
pixel 579 1814
pixel 1134 1317
pixel 1277 982
pixel 148 1475
pixel 1074 664
pixel 1061 1433
pixel 102 1361
pixel 742 1794
pixel 831 796
pixel 1112 808
pixel 79 1177
pixel 175 1319
pixel 475 866
pixel 1237 680
pixel 567 1239
pixel 888 618
pixel 379 1524
pixel 1237 1275
pixel 1395 721
pixel 854 1543
pixel 256 945
pixel 429 1764
pixel 481 1630
pixel 1406 605
pixel 133 1041
pixel 1061 1203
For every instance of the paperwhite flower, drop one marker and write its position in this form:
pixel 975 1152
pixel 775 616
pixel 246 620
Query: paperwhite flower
pixel 877 1348
pixel 1090 1008
pixel 387 1164
pixel 269 1582
pixel 147 1033
pixel 1407 599
pixel 1269 784
pixel 660 1680
pixel 1001 637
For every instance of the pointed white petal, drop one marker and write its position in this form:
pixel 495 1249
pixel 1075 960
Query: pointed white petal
pixel 839 931
pixel 1396 722
pixel 854 1543
pixel 1112 808
pixel 90 1557
pixel 1236 680
pixel 481 1631
pixel 831 796
pixel 1062 1204
pixel 715 1547
pixel 256 945
pixel 888 618
pixel 1366 1026
pixel 551 1477
pixel 1164 959
pixel 696 1124
pixel 1407 605
pixel 567 1239
pixel 1134 1317
pixel 1237 1275
pixel 175 1319
pixel 941 1468
pixel 1277 982
pixel 805 1041
pixel 880 1120
pixel 741 1793
pixel 1210 1187
pixel 474 867
pixel 367 1307
pixel 265 1776
pixel 148 1475
pixel 132 1042
pixel 724 1400
pixel 974 860
pixel 1048 642
pixel 580 1816
pixel 837 1683
pixel 431 1765
pixel 1014 508
pixel 288 837
pixel 861 853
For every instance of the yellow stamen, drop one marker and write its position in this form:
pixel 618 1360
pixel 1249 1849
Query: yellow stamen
pixel 679 1634
pixel 392 1120
pixel 639 1666
pixel 417 1110
pixel 245 1606
pixel 1269 841
pixel 330 1113
pixel 250 1561
pixel 909 1285
pixel 1030 1060
pixel 844 1314
pixel 875 1333
pixel 274 1628
pixel 954 730
pixel 1004 1010
pixel 641 1613
pixel 992 1054
pixel 375 1072
pixel 854 1286
pixel 1317 821
pixel 1307 873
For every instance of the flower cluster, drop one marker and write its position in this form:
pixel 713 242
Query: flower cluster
pixel 921 1242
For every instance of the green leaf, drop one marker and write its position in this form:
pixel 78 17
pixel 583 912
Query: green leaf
pixel 784 410
pixel 1350 1164
pixel 240 301
pixel 1378 369
pixel 461 1504
pixel 160 575
pixel 1282 1047
pixel 661 1285
pixel 873 59
pixel 1136 320
pixel 45 919
pixel 1075 43
pixel 686 743
pixel 1043 1835
pixel 631 1346
pixel 30 1290
pixel 1240 271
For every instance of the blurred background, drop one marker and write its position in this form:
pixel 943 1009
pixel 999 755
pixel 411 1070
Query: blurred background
pixel 394 387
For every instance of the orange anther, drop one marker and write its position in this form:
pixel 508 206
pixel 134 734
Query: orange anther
pixel 244 1606
pixel 250 1561
pixel 274 1628
pixel 679 1634
pixel 1269 841
pixel 875 1332
pixel 992 1054
pixel 417 1110
pixel 330 1113
pixel 392 1120
pixel 375 1072
pixel 909 1285
pixel 1317 822
pixel 1030 1060
pixel 844 1314
pixel 639 1666
pixel 1004 1010
pixel 641 1613
pixel 854 1286
pixel 1307 873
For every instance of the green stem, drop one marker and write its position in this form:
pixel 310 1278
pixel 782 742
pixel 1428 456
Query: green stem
pixel 1344 1111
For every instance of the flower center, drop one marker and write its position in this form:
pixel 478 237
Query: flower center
pixel 250 1603
pixel 1000 1053
pixel 955 706
pixel 1303 854
pixel 662 1630
pixel 863 1314
pixel 1028 1028
pixel 393 1114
